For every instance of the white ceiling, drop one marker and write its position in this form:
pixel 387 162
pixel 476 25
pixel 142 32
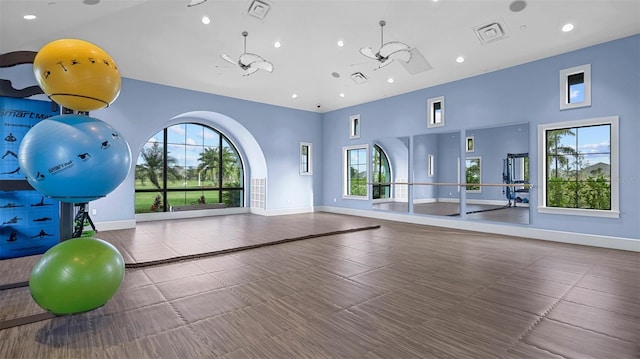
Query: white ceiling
pixel 164 41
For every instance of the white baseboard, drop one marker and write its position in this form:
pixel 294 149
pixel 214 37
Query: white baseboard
pixel 425 200
pixel 621 243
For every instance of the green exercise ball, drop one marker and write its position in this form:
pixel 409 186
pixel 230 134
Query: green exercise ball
pixel 76 276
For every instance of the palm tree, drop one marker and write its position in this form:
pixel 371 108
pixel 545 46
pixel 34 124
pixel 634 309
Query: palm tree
pixel 558 153
pixel 227 162
pixel 153 163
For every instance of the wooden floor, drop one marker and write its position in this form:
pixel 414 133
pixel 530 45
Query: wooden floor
pixel 400 291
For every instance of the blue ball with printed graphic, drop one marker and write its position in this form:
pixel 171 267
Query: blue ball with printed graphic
pixel 74 158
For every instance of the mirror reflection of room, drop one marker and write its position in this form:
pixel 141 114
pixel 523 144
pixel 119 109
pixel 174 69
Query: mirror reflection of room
pixel 436 171
pixel 499 163
pixel 389 174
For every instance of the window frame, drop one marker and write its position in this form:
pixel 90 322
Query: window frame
pixel 479 190
pixel 309 158
pixel 345 171
pixel 469 144
pixel 431 117
pixel 614 144
pixel 355 126
pixel 378 151
pixel 166 191
pixel 565 97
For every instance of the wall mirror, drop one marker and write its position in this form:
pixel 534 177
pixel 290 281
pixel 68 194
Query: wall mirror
pixel 499 164
pixel 436 171
pixel 390 174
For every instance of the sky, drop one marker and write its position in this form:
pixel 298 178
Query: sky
pixel 593 142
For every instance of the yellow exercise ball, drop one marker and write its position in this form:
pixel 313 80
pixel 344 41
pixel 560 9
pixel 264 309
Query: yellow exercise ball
pixel 77 74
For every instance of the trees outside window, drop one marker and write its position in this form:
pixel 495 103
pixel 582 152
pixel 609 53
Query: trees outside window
pixel 355 172
pixel 381 174
pixel 580 163
pixel 577 178
pixel 188 165
pixel 473 173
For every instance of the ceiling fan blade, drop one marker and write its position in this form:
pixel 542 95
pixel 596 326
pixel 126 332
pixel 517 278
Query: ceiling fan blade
pixel 263 65
pixel 247 58
pixel 402 55
pixel 229 59
pixel 391 47
pixel 368 52
pixel 382 64
pixel 195 2
pixel 249 70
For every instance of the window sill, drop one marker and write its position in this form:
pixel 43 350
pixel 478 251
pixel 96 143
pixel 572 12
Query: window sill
pixel 361 198
pixel 580 212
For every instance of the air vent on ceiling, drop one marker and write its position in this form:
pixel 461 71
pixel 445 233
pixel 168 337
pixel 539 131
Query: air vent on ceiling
pixel 491 32
pixel 359 78
pixel 259 8
pixel 417 64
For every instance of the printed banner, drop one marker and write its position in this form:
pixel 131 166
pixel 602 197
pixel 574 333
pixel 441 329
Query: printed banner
pixel 29 222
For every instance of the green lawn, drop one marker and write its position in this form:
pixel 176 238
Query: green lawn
pixel 145 200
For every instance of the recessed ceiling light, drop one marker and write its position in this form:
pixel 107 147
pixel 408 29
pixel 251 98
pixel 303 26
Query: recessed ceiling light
pixel 341 94
pixel 90 2
pixel 277 44
pixel 340 43
pixel 567 27
pixel 29 17
pixel 295 95
pixel 206 20
pixel 460 59
pixel 390 80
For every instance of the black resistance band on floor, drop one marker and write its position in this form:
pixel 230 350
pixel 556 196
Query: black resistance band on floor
pixel 29 319
pixel 480 210
pixel 243 248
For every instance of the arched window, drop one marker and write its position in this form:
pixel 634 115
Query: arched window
pixel 188 166
pixel 381 173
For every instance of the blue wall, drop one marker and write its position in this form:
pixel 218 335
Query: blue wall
pixel 142 109
pixel 525 94
pixel 522 94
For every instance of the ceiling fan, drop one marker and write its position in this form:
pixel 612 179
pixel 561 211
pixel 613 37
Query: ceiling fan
pixel 392 50
pixel 195 2
pixel 249 62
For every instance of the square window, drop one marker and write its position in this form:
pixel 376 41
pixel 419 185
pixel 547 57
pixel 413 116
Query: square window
pixel 579 169
pixel 575 87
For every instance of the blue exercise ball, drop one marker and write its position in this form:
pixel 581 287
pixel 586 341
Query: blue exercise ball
pixel 74 158
pixel 76 276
